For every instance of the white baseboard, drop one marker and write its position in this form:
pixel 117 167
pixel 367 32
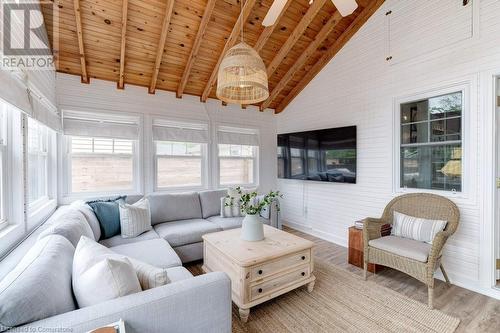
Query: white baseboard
pixel 459 281
pixel 317 233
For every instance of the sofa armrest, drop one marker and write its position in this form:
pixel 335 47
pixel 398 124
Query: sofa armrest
pixel 200 304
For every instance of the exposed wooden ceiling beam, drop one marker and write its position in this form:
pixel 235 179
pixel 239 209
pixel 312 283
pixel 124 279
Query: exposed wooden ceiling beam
pixel 161 44
pixel 331 52
pixel 309 51
pixel 122 47
pixel 295 36
pixel 196 46
pixel 231 41
pixel 267 32
pixel 79 33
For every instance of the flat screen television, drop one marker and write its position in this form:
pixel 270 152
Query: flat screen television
pixel 327 155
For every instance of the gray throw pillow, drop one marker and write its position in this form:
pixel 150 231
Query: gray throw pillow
pixel 40 285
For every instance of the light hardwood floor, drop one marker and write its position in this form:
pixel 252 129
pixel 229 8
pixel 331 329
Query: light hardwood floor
pixel 477 313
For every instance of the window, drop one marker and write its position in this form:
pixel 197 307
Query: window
pixel 431 143
pixel 180 154
pixel 179 164
pixel 3 166
pixel 237 164
pixel 37 163
pixel 100 164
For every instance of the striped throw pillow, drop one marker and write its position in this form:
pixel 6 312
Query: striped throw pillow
pixel 416 228
pixel 135 219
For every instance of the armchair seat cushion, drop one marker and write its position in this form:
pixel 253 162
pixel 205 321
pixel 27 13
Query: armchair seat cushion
pixel 404 247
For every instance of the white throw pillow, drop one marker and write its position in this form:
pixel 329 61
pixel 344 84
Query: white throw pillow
pixel 88 252
pixel 105 280
pixel 420 229
pixel 135 219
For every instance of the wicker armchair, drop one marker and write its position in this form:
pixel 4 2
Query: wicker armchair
pixel 422 205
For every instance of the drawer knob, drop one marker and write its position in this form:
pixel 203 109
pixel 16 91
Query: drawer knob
pixel 303 257
pixel 260 290
pixel 303 273
pixel 260 271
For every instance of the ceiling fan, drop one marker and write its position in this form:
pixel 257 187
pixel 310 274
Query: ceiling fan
pixel 345 8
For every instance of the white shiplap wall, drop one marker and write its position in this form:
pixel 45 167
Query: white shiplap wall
pixel 102 96
pixel 359 87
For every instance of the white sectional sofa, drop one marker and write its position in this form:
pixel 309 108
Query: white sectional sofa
pixel 187 304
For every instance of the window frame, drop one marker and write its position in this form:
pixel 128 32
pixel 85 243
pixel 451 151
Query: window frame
pixel 204 169
pixel 466 133
pixel 256 166
pixel 4 165
pixel 40 203
pixel 68 195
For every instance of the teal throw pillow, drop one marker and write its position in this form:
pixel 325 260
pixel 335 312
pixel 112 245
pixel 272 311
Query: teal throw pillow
pixel 108 214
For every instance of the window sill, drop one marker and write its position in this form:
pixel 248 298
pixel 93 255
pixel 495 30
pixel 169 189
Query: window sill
pixel 447 194
pixel 7 230
pixel 41 213
pixel 70 198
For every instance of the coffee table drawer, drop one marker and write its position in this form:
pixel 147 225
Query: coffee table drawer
pixel 266 287
pixel 261 271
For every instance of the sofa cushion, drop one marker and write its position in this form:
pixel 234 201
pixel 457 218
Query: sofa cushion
pixel 107 279
pixel 108 214
pixel 403 246
pixel 72 225
pixel 40 285
pixel 173 207
pixel 89 252
pixel 227 222
pixel 135 219
pixel 156 252
pixel 183 232
pixel 210 202
pixel 178 274
pixel 89 214
pixel 119 240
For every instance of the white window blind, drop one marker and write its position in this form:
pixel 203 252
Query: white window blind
pixel 17 90
pixel 100 125
pixel 181 132
pixel 237 136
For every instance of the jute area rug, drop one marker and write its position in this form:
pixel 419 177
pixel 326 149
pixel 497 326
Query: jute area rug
pixel 342 302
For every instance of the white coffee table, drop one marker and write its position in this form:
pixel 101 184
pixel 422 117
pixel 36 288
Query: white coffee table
pixel 259 271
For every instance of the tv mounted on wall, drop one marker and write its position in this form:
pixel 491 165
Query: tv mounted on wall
pixel 327 155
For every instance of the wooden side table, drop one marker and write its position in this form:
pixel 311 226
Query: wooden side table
pixel 356 248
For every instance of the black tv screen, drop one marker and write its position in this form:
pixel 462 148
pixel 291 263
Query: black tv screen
pixel 327 155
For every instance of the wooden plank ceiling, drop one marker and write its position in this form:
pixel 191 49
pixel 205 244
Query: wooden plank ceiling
pixel 176 45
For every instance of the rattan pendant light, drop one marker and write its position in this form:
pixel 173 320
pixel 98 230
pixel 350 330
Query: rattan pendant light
pixel 242 76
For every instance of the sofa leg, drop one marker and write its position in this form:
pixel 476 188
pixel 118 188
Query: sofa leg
pixel 430 295
pixel 365 269
pixel 444 274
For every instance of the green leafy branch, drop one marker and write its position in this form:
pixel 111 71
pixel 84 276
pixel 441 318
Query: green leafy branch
pixel 248 202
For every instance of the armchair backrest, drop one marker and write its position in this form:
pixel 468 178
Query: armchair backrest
pixel 424 205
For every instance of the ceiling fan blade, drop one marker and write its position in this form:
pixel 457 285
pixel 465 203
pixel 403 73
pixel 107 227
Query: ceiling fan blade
pixel 345 7
pixel 274 12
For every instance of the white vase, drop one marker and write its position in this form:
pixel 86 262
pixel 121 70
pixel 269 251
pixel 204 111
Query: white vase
pixel 252 228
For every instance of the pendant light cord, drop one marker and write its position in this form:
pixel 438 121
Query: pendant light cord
pixel 241 20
